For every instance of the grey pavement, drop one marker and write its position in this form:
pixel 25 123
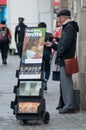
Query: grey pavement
pixel 57 121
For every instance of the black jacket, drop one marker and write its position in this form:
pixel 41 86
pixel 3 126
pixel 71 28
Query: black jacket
pixel 67 44
pixel 47 50
pixel 19 32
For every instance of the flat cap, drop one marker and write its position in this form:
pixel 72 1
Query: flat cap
pixel 64 12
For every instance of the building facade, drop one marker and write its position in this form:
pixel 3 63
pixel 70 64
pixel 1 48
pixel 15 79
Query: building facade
pixel 34 11
pixel 78 10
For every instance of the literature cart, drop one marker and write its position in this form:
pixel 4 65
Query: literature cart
pixel 29 102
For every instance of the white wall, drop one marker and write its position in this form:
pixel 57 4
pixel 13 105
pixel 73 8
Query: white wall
pixel 46 15
pixel 33 11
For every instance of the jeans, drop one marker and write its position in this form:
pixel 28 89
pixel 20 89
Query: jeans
pixel 47 70
pixel 19 48
pixel 4 50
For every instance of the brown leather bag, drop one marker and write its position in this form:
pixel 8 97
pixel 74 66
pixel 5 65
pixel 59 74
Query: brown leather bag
pixel 71 66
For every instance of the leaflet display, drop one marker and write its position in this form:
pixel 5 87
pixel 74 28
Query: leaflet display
pixel 30 71
pixel 29 102
pixel 33 45
pixel 29 88
pixel 28 107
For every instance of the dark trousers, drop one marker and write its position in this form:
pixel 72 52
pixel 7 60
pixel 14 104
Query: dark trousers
pixel 4 50
pixel 61 103
pixel 19 48
pixel 47 70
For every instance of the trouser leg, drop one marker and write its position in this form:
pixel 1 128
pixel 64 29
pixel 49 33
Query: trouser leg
pixel 19 48
pixel 4 51
pixel 47 70
pixel 46 74
pixel 67 88
pixel 61 103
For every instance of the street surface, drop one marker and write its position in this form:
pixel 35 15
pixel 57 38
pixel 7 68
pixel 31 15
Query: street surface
pixel 57 121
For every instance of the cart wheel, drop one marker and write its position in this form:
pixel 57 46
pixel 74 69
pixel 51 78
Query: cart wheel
pixel 46 117
pixel 22 122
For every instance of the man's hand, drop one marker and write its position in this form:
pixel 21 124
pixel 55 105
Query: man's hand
pixel 48 44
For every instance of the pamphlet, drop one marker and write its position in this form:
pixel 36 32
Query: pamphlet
pixel 30 71
pixel 28 107
pixel 29 88
pixel 33 45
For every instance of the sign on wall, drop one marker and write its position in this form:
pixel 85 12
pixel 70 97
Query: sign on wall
pixel 3 2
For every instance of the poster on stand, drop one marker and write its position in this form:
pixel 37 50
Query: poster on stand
pixel 28 107
pixel 29 88
pixel 33 45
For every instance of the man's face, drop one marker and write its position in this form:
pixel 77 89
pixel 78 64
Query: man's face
pixel 20 20
pixel 62 19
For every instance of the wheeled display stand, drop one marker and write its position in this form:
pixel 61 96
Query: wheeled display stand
pixel 29 101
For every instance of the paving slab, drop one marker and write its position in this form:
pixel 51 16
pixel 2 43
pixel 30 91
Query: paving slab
pixel 76 121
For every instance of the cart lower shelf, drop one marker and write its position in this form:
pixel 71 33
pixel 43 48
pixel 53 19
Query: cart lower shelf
pixel 24 118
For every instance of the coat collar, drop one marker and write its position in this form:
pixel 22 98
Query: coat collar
pixel 67 21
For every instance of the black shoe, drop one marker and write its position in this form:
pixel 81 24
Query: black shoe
pixel 45 88
pixel 66 111
pixel 59 106
pixel 4 62
pixel 44 85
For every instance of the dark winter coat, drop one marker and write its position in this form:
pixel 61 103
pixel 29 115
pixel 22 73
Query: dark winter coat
pixel 19 32
pixel 67 44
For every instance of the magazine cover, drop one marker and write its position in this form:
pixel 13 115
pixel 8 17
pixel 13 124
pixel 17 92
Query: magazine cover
pixel 29 88
pixel 30 71
pixel 28 107
pixel 33 45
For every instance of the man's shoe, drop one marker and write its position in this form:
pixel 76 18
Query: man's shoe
pixel 59 106
pixel 66 111
pixel 45 88
pixel 4 62
pixel 44 85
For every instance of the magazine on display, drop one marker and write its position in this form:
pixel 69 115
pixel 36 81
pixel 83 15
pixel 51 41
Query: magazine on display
pixel 30 71
pixel 29 88
pixel 33 45
pixel 28 107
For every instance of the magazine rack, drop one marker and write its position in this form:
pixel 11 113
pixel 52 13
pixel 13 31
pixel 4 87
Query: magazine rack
pixel 29 102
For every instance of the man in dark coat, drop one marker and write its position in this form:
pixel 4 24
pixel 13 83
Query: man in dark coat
pixel 19 35
pixel 66 50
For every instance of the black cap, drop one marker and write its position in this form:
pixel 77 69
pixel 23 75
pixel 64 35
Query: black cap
pixel 21 18
pixel 64 12
pixel 3 22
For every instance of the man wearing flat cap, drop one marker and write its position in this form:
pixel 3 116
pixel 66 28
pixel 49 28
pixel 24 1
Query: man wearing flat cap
pixel 19 35
pixel 66 50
